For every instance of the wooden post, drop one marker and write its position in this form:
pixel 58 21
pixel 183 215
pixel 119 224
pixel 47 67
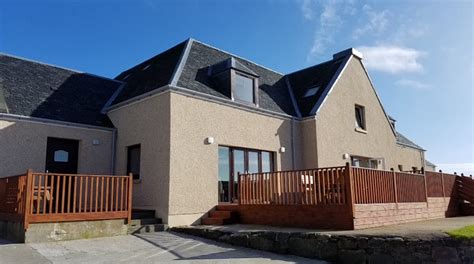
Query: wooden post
pixel 349 190
pixel 239 187
pixel 426 190
pixel 29 184
pixel 395 190
pixel 130 188
pixel 442 184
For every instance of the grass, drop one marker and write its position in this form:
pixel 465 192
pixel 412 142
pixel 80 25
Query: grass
pixel 465 232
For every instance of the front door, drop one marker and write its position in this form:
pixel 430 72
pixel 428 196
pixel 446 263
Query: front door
pixel 61 155
pixel 233 161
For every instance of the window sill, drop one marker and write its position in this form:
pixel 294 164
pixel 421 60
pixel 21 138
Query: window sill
pixel 137 181
pixel 360 130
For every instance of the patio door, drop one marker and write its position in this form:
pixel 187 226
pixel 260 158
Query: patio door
pixel 233 161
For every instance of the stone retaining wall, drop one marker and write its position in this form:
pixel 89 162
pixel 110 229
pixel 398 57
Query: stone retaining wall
pixel 347 249
pixel 374 215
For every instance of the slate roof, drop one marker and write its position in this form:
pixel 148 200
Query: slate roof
pixel 401 139
pixel 150 74
pixel 429 163
pixel 318 77
pixel 35 89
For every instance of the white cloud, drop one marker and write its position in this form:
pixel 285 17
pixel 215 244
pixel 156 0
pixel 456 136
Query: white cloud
pixel 466 168
pixel 376 22
pixel 327 17
pixel 413 84
pixel 391 59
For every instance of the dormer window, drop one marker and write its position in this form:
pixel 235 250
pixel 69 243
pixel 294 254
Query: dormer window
pixel 235 80
pixel 244 88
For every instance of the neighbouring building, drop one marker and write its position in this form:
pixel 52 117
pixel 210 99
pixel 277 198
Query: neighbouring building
pixel 186 121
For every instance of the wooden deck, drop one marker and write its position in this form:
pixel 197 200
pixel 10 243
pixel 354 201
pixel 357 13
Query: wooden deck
pixel 50 197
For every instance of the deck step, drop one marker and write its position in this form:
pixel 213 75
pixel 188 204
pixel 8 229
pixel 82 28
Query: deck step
pixel 215 221
pixel 142 229
pixel 227 207
pixel 220 214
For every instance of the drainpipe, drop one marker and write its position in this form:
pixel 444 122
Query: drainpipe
pixel 114 148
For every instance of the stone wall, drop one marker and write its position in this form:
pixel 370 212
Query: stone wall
pixel 374 215
pixel 347 249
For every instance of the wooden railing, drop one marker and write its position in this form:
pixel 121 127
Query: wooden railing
pixel 52 197
pixel 465 187
pixel 13 198
pixel 342 185
pixel 325 186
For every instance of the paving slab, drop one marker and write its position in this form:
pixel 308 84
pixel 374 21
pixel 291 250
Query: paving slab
pixel 160 247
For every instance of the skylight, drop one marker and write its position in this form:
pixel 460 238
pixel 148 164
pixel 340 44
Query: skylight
pixel 311 91
pixel 146 67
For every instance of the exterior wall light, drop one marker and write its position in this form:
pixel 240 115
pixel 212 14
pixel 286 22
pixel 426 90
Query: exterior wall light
pixel 209 140
pixel 345 156
pixel 95 142
pixel 282 149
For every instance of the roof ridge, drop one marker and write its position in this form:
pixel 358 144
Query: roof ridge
pixel 56 66
pixel 40 62
pixel 316 65
pixel 181 63
pixel 236 56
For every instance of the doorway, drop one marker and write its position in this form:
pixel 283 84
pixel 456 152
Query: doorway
pixel 234 160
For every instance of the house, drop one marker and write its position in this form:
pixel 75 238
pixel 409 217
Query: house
pixel 188 120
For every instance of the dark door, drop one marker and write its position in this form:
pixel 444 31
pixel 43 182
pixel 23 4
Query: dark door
pixel 61 155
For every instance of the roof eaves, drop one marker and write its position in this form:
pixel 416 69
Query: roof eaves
pixel 182 61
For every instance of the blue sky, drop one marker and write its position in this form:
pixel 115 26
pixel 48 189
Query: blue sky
pixel 419 54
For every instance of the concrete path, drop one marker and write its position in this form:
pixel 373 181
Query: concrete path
pixel 423 229
pixel 162 247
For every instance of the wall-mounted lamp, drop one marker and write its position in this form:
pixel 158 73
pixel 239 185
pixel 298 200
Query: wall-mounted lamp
pixel 282 149
pixel 95 142
pixel 345 156
pixel 209 140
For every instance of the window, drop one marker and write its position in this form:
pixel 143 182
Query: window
pixel 360 117
pixel 243 89
pixel 311 91
pixel 61 156
pixel 364 162
pixel 133 161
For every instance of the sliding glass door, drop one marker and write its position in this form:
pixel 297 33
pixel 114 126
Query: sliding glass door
pixel 239 160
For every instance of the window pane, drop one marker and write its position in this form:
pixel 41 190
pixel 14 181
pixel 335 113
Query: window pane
pixel 61 156
pixel 133 161
pixel 238 162
pixel 266 161
pixel 243 89
pixel 224 174
pixel 253 162
pixel 359 117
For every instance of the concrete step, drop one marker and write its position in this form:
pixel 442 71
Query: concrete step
pixel 212 221
pixel 146 221
pixel 142 229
